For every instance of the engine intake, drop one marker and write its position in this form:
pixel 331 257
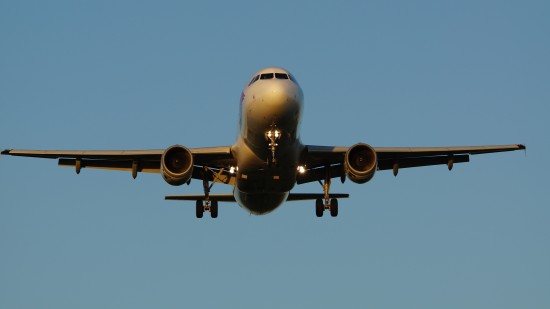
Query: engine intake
pixel 361 163
pixel 176 165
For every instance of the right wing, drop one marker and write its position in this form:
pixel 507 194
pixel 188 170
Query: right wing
pixel 318 158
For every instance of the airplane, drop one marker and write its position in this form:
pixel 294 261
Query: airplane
pixel 268 158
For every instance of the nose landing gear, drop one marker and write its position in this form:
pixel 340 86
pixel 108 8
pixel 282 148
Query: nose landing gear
pixel 272 136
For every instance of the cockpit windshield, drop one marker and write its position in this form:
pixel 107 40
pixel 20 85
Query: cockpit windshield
pixel 281 76
pixel 266 76
pixel 271 76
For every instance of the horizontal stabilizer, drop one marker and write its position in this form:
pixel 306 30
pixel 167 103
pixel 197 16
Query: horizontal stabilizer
pixel 313 196
pixel 202 197
pixel 231 198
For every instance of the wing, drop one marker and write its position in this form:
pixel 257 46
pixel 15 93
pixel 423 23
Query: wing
pixel 148 161
pixel 319 158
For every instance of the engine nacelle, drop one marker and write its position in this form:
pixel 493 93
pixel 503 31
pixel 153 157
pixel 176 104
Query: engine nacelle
pixel 176 165
pixel 361 163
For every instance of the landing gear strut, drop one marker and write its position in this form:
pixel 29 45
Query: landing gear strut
pixel 211 206
pixel 326 202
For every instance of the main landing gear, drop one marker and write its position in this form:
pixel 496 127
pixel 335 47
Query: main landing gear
pixel 211 206
pixel 207 204
pixel 326 202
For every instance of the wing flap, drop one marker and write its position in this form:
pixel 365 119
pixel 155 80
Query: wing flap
pixel 86 154
pixel 388 164
pixel 119 165
pixel 400 152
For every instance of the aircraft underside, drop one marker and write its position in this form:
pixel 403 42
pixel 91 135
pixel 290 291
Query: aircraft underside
pixel 260 203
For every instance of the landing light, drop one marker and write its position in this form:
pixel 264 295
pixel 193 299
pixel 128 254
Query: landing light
pixel 232 169
pixel 272 135
pixel 301 169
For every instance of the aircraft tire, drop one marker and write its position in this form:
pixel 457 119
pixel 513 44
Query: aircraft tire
pixel 214 209
pixel 334 207
pixel 199 209
pixel 319 208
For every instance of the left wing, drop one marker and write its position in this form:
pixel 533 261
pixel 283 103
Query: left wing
pixel 147 161
pixel 318 158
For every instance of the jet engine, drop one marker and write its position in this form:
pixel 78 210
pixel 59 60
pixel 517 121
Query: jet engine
pixel 176 165
pixel 360 163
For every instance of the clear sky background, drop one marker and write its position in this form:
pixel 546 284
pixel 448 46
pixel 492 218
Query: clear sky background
pixel 147 75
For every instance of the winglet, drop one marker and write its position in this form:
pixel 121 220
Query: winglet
pixel 522 147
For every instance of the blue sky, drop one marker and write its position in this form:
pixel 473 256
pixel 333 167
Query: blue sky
pixel 147 75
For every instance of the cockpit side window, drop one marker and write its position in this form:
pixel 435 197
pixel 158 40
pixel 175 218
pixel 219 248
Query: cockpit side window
pixel 266 76
pixel 254 80
pixel 292 78
pixel 281 76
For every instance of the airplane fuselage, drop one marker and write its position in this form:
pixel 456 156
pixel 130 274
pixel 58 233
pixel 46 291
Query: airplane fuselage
pixel 268 146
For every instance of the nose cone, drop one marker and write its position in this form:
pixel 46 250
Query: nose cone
pixel 279 98
pixel 271 102
pixel 277 95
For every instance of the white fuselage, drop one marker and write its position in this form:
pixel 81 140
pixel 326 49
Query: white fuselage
pixel 268 146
